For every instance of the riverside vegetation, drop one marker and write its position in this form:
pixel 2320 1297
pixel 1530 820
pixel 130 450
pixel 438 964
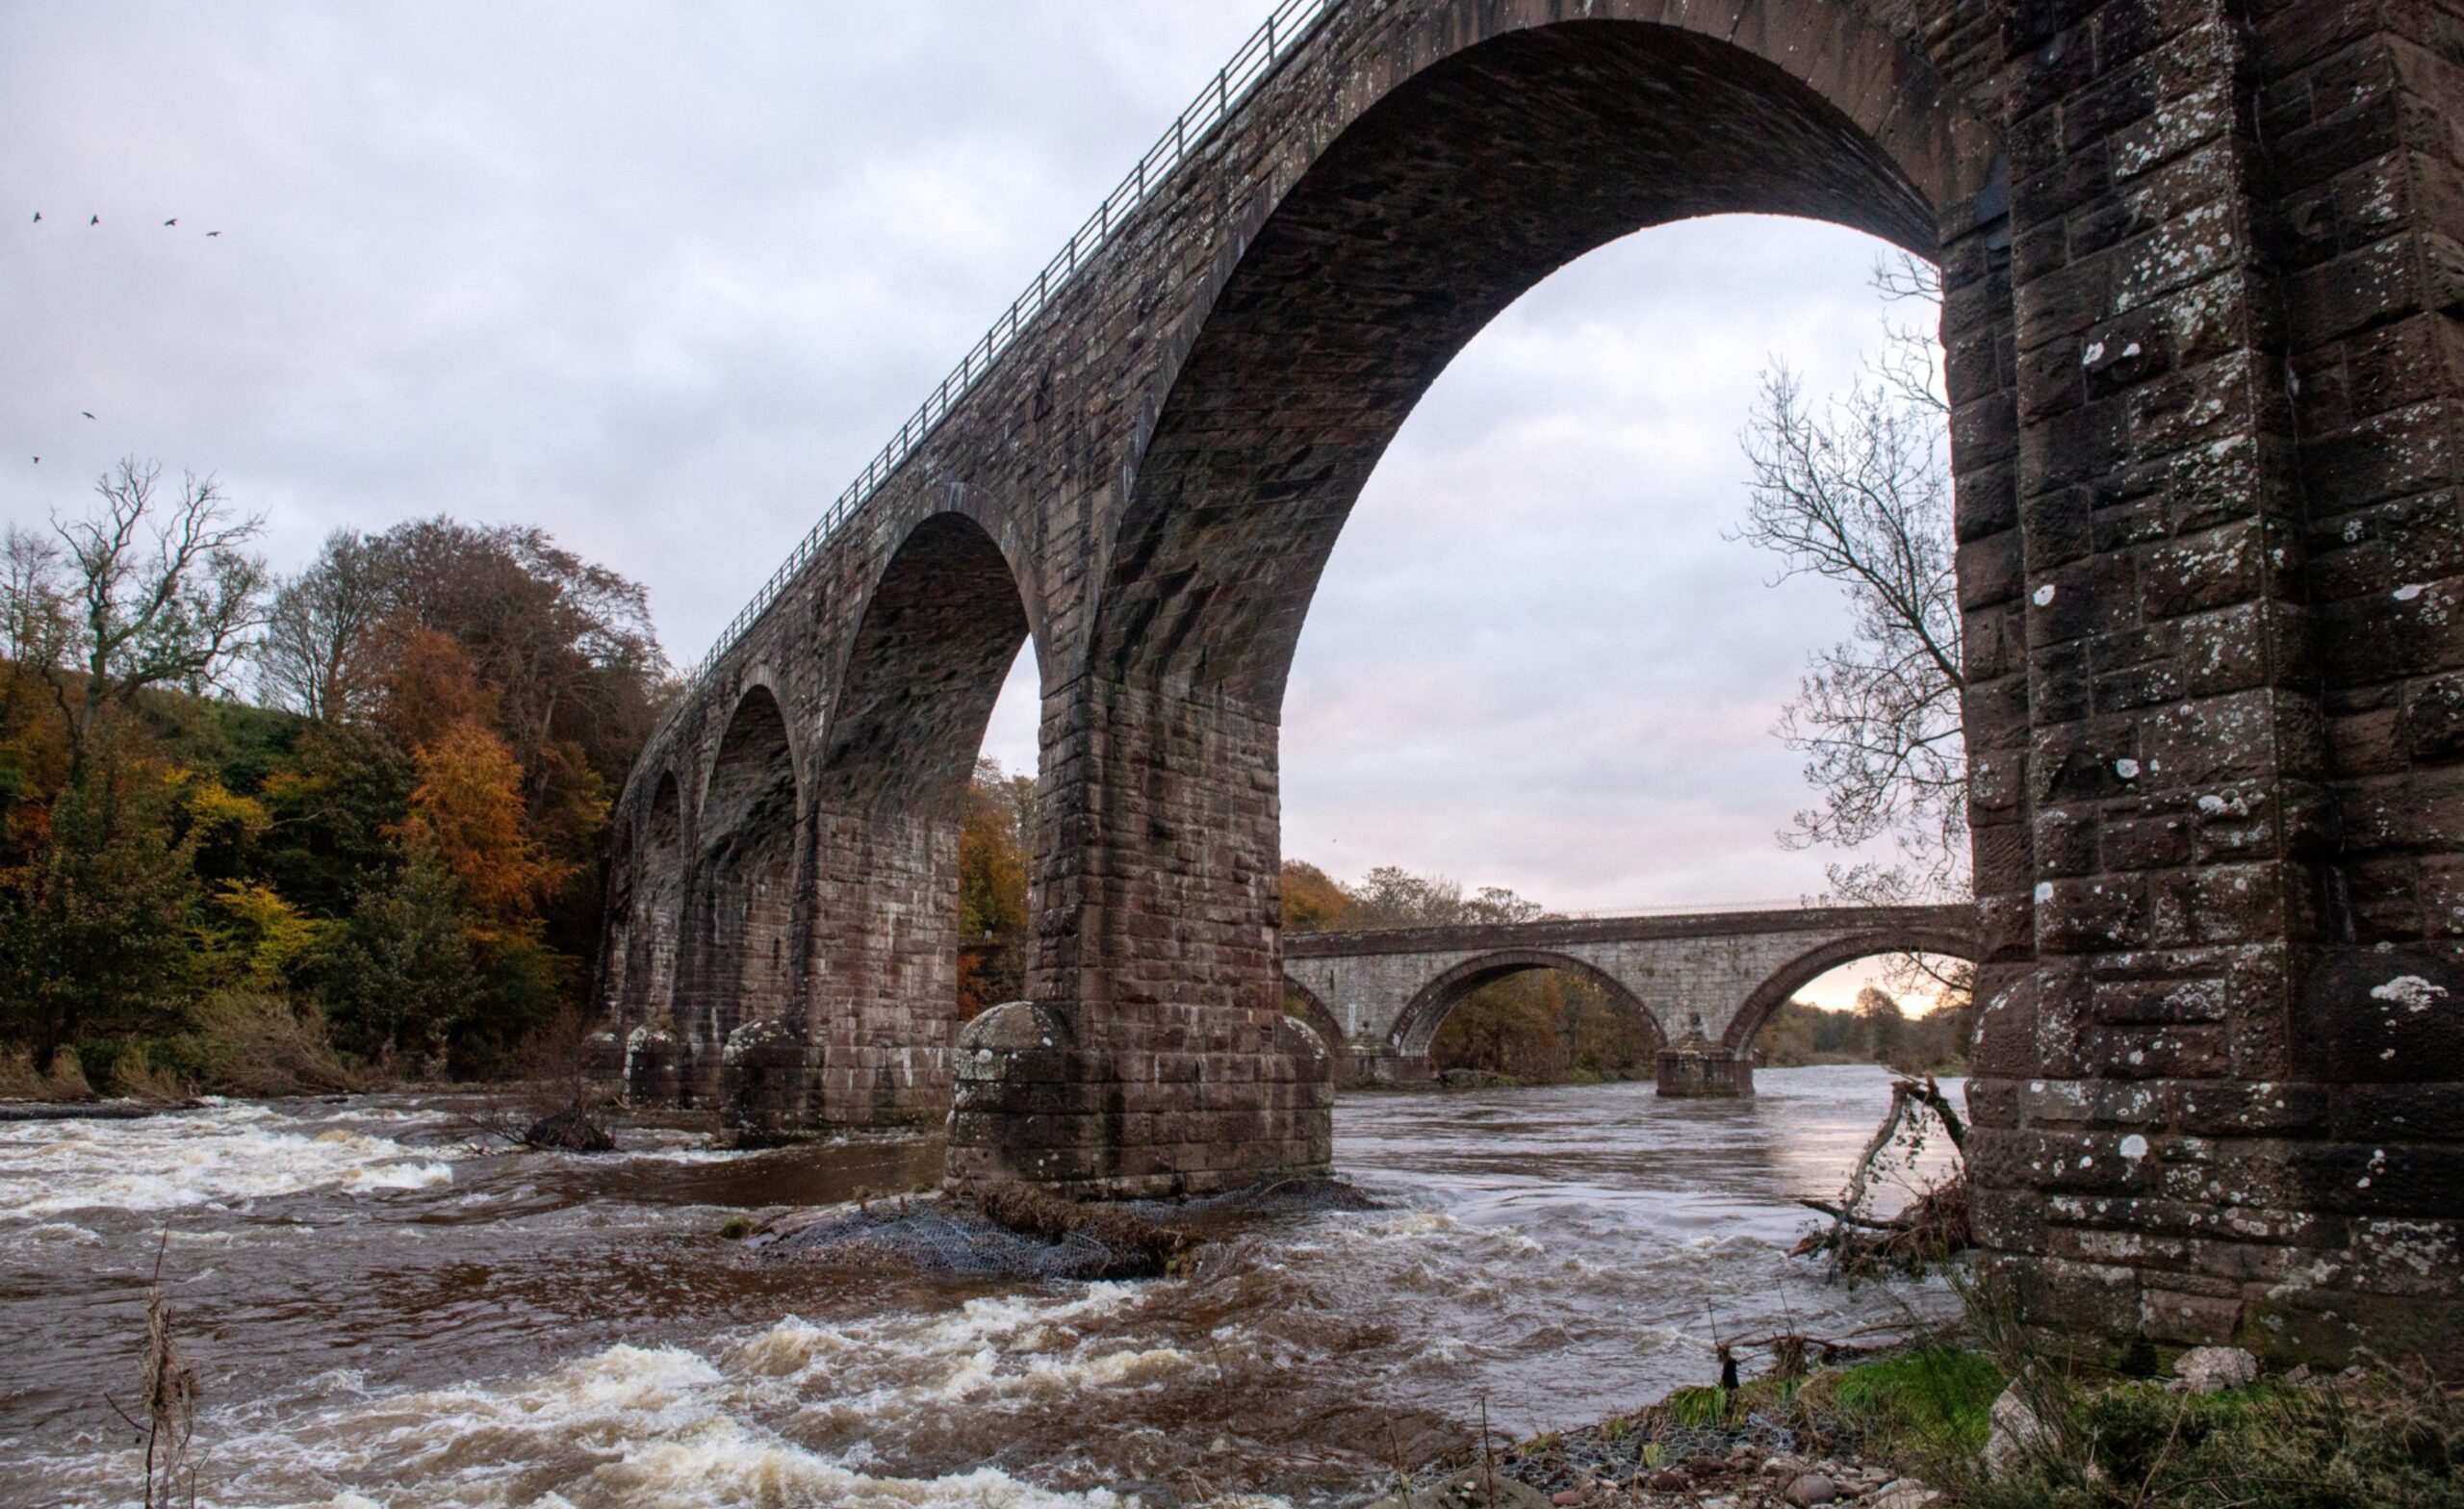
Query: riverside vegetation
pixel 384 861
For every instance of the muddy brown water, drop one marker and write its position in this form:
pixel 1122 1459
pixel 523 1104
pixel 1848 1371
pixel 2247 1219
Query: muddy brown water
pixel 384 1314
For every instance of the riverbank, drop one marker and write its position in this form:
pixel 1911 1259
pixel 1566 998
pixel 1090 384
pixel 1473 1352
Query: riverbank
pixel 1952 1423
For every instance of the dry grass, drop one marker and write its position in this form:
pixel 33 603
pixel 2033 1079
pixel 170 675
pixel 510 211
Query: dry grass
pixel 252 1044
pixel 139 1080
pixel 18 1080
pixel 66 1081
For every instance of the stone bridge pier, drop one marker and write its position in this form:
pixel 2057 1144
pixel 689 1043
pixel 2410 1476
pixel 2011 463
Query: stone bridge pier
pixel 2203 271
pixel 1701 986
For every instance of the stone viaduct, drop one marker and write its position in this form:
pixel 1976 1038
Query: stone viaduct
pixel 1702 985
pixel 2204 268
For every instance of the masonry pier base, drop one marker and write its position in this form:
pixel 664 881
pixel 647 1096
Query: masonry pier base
pixel 1693 1069
pixel 1034 1106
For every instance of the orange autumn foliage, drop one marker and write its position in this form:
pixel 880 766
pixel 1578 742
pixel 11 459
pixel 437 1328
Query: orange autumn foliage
pixel 467 809
pixel 429 687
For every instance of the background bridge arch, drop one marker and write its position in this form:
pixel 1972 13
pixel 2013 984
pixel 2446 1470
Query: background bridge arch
pixel 1821 959
pixel 1416 1028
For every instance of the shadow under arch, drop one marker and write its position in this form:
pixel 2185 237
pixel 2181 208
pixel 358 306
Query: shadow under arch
pixel 937 634
pixel 939 630
pixel 1416 1026
pixel 1812 965
pixel 657 870
pixel 743 961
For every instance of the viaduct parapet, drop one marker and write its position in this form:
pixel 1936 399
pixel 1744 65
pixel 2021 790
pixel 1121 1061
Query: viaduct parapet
pixel 1702 985
pixel 2203 264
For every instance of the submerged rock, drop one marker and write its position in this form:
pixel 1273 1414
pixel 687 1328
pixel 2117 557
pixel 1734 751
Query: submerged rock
pixel 1017 1231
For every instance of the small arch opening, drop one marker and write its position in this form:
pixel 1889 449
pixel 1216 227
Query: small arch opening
pixel 748 831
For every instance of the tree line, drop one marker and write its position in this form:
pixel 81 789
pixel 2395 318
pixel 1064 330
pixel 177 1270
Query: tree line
pixel 263 832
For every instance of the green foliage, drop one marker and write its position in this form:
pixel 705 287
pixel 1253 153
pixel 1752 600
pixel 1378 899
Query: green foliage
pixel 520 986
pixel 401 972
pixel 2384 1441
pixel 335 809
pixel 1940 1398
pixel 95 931
pixel 1698 1408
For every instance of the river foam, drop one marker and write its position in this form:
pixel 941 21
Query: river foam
pixel 217 1155
pixel 796 1412
pixel 384 1314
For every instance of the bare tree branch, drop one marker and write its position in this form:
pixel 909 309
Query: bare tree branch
pixel 318 655
pixel 154 593
pixel 1856 491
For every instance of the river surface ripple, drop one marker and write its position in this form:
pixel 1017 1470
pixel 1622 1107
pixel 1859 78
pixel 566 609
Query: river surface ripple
pixel 384 1314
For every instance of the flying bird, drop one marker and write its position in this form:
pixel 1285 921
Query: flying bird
pixel 38 460
pixel 37 221
pixel 89 412
pixel 173 220
pixel 213 233
pixel 93 219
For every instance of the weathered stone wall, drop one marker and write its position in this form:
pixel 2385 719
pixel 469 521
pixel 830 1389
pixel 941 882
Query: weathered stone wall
pixel 2202 276
pixel 2235 472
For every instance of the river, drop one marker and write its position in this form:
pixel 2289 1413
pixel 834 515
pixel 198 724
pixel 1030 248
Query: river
pixel 384 1312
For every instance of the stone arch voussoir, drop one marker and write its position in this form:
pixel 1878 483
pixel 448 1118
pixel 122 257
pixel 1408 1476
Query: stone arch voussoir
pixel 1783 982
pixel 1416 1025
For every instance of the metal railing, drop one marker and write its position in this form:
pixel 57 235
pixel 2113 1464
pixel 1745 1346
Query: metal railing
pixel 1284 29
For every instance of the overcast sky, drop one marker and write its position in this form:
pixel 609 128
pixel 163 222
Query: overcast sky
pixel 661 277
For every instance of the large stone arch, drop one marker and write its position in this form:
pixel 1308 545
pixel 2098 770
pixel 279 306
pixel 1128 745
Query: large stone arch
pixel 1416 1025
pixel 934 640
pixel 2203 504
pixel 1461 187
pixel 1783 982
pixel 744 954
pixel 1464 160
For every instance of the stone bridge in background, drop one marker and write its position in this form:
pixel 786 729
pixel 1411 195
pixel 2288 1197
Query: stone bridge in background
pixel 1701 984
pixel 2203 264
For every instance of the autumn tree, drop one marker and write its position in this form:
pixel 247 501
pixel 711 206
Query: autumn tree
pixel 996 847
pixel 466 810
pixel 1312 901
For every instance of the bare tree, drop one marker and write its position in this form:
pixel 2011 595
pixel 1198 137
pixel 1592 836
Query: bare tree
pixel 36 622
pixel 318 655
pixel 1856 491
pixel 147 593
